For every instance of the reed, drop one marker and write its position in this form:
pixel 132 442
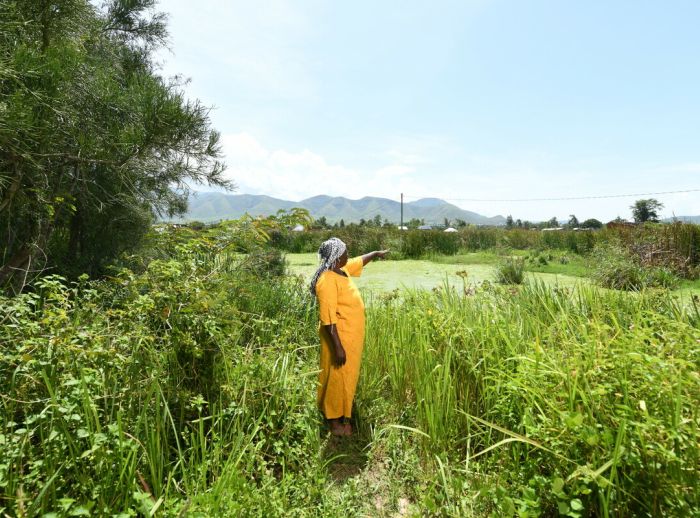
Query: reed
pixel 591 393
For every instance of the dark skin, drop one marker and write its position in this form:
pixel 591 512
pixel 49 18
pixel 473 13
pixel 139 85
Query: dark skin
pixel 339 358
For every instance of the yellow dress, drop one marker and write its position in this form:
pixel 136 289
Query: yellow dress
pixel 340 303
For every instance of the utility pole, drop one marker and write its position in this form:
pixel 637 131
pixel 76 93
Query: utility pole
pixel 401 227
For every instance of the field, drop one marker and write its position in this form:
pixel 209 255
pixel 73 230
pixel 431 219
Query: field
pixel 386 276
pixel 184 385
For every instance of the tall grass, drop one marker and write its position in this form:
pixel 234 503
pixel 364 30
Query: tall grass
pixel 582 402
pixel 510 270
pixel 147 391
pixel 677 243
pixel 186 386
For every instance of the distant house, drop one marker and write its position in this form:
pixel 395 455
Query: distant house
pixel 450 229
pixel 552 229
pixel 298 228
pixel 402 228
pixel 425 227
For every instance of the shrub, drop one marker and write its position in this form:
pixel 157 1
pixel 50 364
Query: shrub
pixel 616 268
pixel 510 270
pixel 267 263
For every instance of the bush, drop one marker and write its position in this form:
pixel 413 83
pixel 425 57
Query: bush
pixel 510 270
pixel 616 268
pixel 266 263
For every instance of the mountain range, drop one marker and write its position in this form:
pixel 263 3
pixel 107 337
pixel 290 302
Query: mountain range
pixel 213 206
pixel 684 219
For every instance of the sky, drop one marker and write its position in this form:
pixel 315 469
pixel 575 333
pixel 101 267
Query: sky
pixel 460 100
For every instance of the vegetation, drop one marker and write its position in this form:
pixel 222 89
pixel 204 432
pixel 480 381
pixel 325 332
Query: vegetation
pixel 185 385
pixel 171 370
pixel 540 401
pixel 92 139
pixel 510 270
pixel 646 210
pixel 615 267
pixel 676 245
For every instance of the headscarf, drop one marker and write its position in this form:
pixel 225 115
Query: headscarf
pixel 328 253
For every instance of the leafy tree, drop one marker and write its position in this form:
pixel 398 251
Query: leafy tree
pixel 342 223
pixel 92 139
pixel 552 223
pixel 414 223
pixel 321 222
pixel 646 210
pixel 460 223
pixel 377 221
pixel 509 221
pixel 519 223
pixel 573 221
pixel 592 223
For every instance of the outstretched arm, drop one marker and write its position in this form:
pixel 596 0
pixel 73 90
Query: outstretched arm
pixel 374 255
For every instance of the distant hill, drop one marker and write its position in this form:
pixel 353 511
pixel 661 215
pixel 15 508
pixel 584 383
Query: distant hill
pixel 686 219
pixel 213 206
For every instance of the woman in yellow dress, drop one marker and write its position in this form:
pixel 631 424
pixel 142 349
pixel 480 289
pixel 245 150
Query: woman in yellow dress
pixel 342 330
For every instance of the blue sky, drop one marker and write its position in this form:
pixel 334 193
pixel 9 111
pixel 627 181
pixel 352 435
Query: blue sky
pixel 459 100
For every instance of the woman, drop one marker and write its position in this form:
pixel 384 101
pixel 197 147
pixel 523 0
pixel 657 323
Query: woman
pixel 342 330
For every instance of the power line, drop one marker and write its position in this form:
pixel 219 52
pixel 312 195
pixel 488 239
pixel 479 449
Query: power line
pixel 570 198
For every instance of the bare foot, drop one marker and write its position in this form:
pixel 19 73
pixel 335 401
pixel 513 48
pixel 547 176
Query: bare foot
pixel 338 429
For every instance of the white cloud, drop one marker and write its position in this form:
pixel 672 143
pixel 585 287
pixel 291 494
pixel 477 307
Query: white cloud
pixel 295 175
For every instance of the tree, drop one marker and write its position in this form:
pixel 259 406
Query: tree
pixel 552 223
pixel 573 221
pixel 414 223
pixel 377 221
pixel 94 144
pixel 460 223
pixel 447 222
pixel 509 221
pixel 592 223
pixel 321 222
pixel 519 223
pixel 342 223
pixel 646 210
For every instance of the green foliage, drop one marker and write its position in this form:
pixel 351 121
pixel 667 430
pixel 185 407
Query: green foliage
pixel 510 270
pixel 185 385
pixel 123 392
pixel 92 139
pixel 592 223
pixel 539 401
pixel 646 210
pixel 615 267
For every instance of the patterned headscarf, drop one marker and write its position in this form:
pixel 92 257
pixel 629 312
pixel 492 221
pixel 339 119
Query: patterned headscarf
pixel 329 252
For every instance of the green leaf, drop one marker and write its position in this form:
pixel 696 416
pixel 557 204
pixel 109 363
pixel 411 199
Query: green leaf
pixel 558 486
pixel 576 504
